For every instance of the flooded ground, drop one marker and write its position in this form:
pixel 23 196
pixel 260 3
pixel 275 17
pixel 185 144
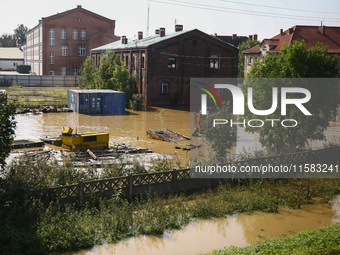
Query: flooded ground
pixel 203 236
pixel 131 129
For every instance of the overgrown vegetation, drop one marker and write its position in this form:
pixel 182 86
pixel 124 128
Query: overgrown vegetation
pixel 110 74
pixel 7 127
pixel 320 241
pixel 41 226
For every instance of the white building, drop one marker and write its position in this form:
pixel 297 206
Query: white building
pixel 10 58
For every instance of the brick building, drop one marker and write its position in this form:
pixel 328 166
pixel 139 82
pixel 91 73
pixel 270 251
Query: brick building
pixel 328 36
pixel 164 63
pixel 60 43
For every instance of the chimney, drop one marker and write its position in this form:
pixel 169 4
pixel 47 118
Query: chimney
pixel 215 34
pixel 281 31
pixel 78 6
pixel 124 39
pixel 140 35
pixel 322 29
pixel 162 32
pixel 178 28
pixel 234 37
pixel 250 37
pixel 157 32
pixel 255 37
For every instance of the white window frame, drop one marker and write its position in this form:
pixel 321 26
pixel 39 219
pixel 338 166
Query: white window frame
pixel 172 63
pixel 52 59
pixel 75 34
pixel 63 71
pixel 214 62
pixel 75 71
pixel 83 34
pixel 82 51
pixel 51 73
pixel 64 50
pixel 52 37
pixel 63 34
pixel 165 88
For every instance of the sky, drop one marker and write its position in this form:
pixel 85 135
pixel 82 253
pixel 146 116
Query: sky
pixel 224 17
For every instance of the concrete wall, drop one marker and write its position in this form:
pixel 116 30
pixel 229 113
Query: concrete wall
pixel 10 64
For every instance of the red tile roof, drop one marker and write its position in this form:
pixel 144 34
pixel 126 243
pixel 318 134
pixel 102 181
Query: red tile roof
pixel 329 36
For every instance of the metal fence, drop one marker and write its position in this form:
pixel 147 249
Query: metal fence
pixel 39 80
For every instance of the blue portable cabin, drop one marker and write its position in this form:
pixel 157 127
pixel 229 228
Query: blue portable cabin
pixel 96 101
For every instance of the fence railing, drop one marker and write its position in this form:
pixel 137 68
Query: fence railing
pixel 39 80
pixel 175 180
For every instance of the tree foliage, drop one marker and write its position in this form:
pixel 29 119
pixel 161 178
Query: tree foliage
pixel 221 137
pixel 7 40
pixel 20 34
pixel 294 61
pixel 111 74
pixel 242 47
pixel 7 126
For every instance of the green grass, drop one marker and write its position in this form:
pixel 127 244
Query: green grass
pixel 324 240
pixel 49 226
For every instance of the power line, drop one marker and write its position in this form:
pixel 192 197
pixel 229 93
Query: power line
pixel 277 7
pixel 246 12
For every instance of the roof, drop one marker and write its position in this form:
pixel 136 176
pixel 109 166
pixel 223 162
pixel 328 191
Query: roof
pixel 11 53
pixel 329 36
pixel 75 10
pixel 92 91
pixel 229 39
pixel 147 41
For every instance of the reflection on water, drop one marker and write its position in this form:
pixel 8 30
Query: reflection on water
pixel 203 236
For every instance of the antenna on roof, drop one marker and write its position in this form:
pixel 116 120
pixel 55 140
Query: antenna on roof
pixel 147 28
pixel 321 22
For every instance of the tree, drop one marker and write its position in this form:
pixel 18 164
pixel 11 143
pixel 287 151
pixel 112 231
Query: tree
pixel 7 40
pixel 7 126
pixel 220 137
pixel 88 73
pixel 111 74
pixel 242 47
pixel 20 34
pixel 294 61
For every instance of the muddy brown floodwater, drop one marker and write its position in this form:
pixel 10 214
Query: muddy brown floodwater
pixel 203 236
pixel 131 129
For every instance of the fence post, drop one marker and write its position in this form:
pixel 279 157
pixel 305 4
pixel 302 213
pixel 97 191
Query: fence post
pixel 130 185
pixel 174 179
pixel 81 190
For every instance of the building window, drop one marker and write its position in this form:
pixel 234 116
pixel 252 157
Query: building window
pixel 249 61
pixel 83 34
pixel 52 59
pixel 52 73
pixel 126 60
pixel 63 71
pixel 171 63
pixel 165 88
pixel 75 34
pixel 63 34
pixel 64 50
pixel 79 20
pixel 82 51
pixel 143 62
pixel 52 37
pixel 214 62
pixel 75 71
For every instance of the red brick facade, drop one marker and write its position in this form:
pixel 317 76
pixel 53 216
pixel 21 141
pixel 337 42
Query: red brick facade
pixel 91 30
pixel 163 69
